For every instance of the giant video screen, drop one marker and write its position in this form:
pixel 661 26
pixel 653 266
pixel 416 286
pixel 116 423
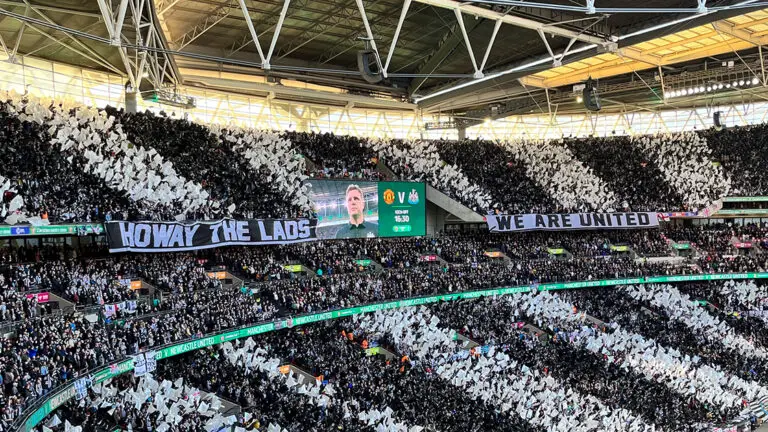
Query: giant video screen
pixel 361 209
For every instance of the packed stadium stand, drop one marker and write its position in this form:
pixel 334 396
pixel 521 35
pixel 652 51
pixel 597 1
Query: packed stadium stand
pixel 123 175
pixel 323 215
pixel 144 167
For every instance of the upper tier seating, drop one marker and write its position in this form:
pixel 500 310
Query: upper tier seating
pixel 77 163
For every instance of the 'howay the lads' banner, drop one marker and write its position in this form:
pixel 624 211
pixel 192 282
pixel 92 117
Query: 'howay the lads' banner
pixel 176 236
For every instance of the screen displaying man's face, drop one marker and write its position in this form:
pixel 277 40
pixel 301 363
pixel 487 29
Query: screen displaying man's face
pixel 355 203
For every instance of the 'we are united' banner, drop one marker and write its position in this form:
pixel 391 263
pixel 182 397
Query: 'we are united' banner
pixel 178 236
pixel 571 221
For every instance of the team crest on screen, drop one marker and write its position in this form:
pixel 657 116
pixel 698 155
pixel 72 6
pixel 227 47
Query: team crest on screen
pixel 413 197
pixel 389 196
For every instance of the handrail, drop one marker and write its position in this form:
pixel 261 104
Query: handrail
pixel 36 413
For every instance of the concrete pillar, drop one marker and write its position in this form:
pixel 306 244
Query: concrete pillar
pixel 462 133
pixel 435 218
pixel 130 101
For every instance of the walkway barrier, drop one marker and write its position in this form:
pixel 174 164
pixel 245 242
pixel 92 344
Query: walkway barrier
pixel 36 413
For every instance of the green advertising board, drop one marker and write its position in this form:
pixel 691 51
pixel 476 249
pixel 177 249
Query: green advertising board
pixel 67 229
pixel 738 212
pixel 620 248
pixel 746 199
pixel 555 251
pixel 61 396
pixel 402 209
pixel 681 246
pixel 293 268
pixel 363 262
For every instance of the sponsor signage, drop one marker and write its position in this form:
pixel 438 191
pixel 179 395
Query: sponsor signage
pixel 492 254
pixel 217 275
pixel 571 221
pixel 555 251
pixel 668 215
pixel 740 212
pixel 42 297
pixel 293 268
pixel 66 229
pixel 429 258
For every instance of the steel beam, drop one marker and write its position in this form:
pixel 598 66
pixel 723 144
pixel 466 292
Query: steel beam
pixel 445 48
pixel 380 26
pixel 106 15
pixel 109 22
pixel 340 14
pixel 120 20
pixel 276 34
pixel 4 46
pixel 19 35
pixel 706 51
pixel 513 20
pixel 86 55
pixel 52 9
pixel 490 44
pixel 156 39
pixel 246 83
pixel 731 30
pixel 164 6
pixel 92 54
pixel 750 23
pixel 403 13
pixel 591 9
pixel 516 71
pixel 640 56
pixel 368 31
pixel 684 41
pixel 460 20
pixel 270 22
pixel 549 48
pixel 50 44
pixel 210 20
pixel 254 36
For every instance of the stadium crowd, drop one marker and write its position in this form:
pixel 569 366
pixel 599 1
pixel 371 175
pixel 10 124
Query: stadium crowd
pixel 72 163
pixel 336 156
pixel 356 389
pixel 193 304
pixel 130 403
pixel 522 375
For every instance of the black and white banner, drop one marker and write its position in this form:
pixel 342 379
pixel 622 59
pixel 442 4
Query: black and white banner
pixel 178 236
pixel 139 365
pixel 571 221
pixel 151 361
pixel 144 363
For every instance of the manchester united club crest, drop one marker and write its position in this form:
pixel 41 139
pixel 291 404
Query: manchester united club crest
pixel 389 196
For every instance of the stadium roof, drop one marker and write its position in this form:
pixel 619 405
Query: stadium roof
pixel 467 58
